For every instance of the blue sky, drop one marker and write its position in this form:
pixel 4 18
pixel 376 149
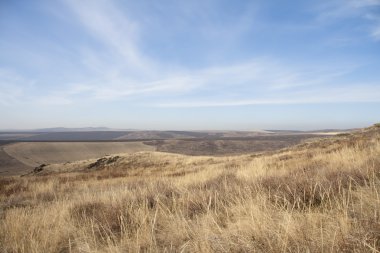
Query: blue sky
pixel 190 64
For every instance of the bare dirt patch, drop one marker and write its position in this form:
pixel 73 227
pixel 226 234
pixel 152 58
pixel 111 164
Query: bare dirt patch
pixel 10 166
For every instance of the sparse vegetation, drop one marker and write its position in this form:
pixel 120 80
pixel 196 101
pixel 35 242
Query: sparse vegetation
pixel 319 196
pixel 231 145
pixel 36 153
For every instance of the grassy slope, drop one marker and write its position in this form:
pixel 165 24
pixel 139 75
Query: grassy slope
pixel 224 147
pixel 318 196
pixel 10 166
pixel 37 153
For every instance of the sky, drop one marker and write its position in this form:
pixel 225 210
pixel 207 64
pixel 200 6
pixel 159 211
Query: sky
pixel 190 65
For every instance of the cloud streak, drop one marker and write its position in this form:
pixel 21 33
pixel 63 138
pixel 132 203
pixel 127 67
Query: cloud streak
pixel 121 70
pixel 366 94
pixel 260 77
pixel 105 22
pixel 342 9
pixel 11 87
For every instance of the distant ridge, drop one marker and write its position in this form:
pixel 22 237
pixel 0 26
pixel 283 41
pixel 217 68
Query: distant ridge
pixel 312 131
pixel 66 129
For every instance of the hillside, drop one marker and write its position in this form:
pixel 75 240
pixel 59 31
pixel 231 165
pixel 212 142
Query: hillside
pixel 19 156
pixel 97 134
pixel 37 153
pixel 321 195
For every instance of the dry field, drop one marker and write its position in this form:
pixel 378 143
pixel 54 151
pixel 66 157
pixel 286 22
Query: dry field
pixel 37 153
pixel 320 196
pixel 10 166
pixel 231 145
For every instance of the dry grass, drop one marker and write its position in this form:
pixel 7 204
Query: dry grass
pixel 321 196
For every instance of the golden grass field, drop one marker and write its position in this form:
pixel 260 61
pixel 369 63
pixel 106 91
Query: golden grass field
pixel 37 153
pixel 319 196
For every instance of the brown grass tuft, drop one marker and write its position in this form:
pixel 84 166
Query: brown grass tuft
pixel 307 188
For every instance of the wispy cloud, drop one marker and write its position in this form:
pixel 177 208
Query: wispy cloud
pixel 252 77
pixel 259 81
pixel 335 95
pixel 375 30
pixel 376 33
pixel 344 8
pixel 339 9
pixel 120 69
pixel 107 24
pixel 12 87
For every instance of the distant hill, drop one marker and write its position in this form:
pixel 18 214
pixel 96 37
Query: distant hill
pixel 108 134
pixel 65 129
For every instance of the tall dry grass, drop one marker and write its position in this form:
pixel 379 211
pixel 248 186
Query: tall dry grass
pixel 317 197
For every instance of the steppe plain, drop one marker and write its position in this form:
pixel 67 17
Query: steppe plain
pixel 320 195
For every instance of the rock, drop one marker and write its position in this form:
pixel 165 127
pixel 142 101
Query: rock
pixel 102 162
pixel 39 168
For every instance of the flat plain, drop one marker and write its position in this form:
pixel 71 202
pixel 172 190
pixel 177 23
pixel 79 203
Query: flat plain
pixel 10 166
pixel 36 153
pixel 22 152
pixel 231 145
